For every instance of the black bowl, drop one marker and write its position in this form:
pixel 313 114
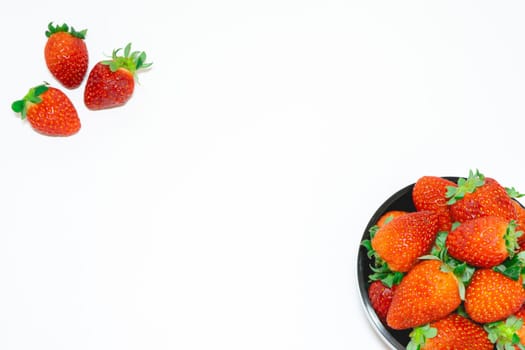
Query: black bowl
pixel 401 200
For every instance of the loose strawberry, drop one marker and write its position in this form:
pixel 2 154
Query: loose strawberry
pixel 492 296
pixel 400 242
pixel 429 193
pixel 453 332
pixel 426 294
pixel 479 196
pixel 49 111
pixel 111 83
pixel 66 54
pixel 380 297
pixel 484 242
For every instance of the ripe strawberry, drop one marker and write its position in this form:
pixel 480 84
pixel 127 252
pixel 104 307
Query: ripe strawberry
pixel 381 297
pixel 483 242
pixel 426 294
pixel 451 332
pixel 49 111
pixel 400 242
pixel 429 193
pixel 491 296
pixel 479 196
pixel 111 83
pixel 389 216
pixel 66 54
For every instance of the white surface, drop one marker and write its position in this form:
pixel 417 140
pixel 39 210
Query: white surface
pixel 222 207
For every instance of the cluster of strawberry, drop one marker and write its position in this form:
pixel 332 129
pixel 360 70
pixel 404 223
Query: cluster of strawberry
pixel 110 82
pixel 451 272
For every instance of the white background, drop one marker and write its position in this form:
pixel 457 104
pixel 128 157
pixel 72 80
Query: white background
pixel 223 206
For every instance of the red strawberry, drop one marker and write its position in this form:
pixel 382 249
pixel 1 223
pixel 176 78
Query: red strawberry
pixel 66 54
pixel 426 294
pixel 483 242
pixel 404 239
pixel 429 193
pixel 111 83
pixel 49 111
pixel 381 297
pixel 389 216
pixel 491 296
pixel 452 332
pixel 480 196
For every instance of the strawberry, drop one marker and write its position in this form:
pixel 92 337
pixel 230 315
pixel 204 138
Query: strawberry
pixel 492 296
pixel 400 242
pixel 479 196
pixel 111 83
pixel 483 242
pixel 429 193
pixel 49 111
pixel 451 332
pixel 427 293
pixel 389 216
pixel 66 54
pixel 380 297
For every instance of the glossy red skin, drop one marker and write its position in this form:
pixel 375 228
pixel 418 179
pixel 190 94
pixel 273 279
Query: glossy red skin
pixel 491 199
pixel 429 193
pixel 107 89
pixel 479 242
pixel 55 115
pixel 380 297
pixel 426 294
pixel 404 239
pixel 491 296
pixel 66 58
pixel 458 332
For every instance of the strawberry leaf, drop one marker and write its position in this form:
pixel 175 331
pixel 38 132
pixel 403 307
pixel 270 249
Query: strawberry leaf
pixel 513 268
pixel 504 333
pixel 419 336
pixel 513 193
pixel 32 97
pixel 51 29
pixel 465 186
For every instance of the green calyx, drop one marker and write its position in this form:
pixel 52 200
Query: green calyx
pixel 513 267
pixel 514 193
pixel 465 186
pixel 419 336
pixel 380 269
pixel 51 29
pixel 32 97
pixel 461 270
pixel 504 333
pixel 131 61
pixel 511 238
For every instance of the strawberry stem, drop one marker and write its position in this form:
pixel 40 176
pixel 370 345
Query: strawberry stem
pixel 65 28
pixel 465 186
pixel 32 97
